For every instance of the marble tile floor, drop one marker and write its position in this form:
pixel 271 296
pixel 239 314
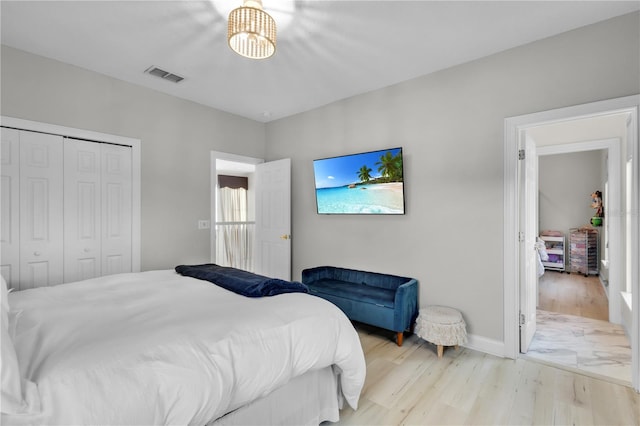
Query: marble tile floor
pixel 582 344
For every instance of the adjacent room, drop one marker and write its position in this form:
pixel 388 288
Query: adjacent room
pixel 579 315
pixel 313 212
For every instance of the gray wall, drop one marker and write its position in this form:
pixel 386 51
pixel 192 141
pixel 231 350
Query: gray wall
pixel 565 184
pixel 450 125
pixel 177 136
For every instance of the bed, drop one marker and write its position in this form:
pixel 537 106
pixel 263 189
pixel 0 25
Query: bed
pixel 160 348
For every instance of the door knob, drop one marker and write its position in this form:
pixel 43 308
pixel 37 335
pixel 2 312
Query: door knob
pixel 285 237
pixel 87 250
pixel 36 253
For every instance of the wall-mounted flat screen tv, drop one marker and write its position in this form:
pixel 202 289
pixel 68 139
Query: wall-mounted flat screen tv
pixel 365 183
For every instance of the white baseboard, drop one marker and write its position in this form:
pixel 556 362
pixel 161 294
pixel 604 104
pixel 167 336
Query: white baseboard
pixel 483 344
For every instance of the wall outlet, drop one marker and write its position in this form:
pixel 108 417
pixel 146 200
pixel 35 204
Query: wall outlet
pixel 204 224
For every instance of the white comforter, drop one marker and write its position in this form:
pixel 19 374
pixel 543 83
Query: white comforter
pixel 159 348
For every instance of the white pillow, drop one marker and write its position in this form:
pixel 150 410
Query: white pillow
pixel 12 401
pixel 17 396
pixel 9 369
pixel 4 301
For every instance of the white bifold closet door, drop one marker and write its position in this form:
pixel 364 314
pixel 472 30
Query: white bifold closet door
pixel 97 209
pixel 66 209
pixel 31 209
pixel 10 205
pixel 41 196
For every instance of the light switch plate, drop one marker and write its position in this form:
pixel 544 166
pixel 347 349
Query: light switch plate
pixel 204 224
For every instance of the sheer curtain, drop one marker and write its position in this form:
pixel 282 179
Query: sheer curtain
pixel 234 233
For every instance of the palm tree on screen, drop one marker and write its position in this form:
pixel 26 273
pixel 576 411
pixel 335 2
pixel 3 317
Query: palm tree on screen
pixel 390 166
pixel 364 174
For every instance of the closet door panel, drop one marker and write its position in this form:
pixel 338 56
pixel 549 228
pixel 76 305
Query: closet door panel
pixel 36 274
pixel 82 210
pixel 117 209
pixel 41 217
pixel 10 206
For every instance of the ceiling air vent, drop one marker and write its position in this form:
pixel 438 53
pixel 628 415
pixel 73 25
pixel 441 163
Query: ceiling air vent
pixel 166 75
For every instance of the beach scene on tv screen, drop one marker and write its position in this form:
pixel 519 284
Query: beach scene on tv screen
pixel 366 183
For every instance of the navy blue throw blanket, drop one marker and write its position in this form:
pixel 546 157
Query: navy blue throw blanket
pixel 241 282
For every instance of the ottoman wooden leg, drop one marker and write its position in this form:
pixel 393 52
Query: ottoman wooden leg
pixel 440 351
pixel 399 338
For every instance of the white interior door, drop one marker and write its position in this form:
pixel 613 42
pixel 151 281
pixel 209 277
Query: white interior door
pixel 82 210
pixel 116 208
pixel 41 217
pixel 98 233
pixel 273 219
pixel 10 206
pixel 528 254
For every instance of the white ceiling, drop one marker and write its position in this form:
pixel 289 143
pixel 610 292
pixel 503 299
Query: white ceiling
pixel 327 50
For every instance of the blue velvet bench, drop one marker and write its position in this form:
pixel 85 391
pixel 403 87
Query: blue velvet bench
pixel 382 300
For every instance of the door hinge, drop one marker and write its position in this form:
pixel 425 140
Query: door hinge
pixel 521 154
pixel 522 319
pixel 520 236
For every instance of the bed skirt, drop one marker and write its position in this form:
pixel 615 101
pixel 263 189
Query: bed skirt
pixel 309 399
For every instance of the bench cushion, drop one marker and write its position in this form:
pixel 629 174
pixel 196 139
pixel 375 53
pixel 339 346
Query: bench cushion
pixel 358 292
pixel 371 279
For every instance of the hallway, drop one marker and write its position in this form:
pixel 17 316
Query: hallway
pixel 573 329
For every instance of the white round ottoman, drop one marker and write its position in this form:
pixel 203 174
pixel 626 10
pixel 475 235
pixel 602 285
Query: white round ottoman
pixel 442 326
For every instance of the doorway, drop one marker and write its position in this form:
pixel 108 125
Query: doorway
pixel 605 155
pixel 515 131
pixel 573 330
pixel 267 209
pixel 235 214
pixel 233 210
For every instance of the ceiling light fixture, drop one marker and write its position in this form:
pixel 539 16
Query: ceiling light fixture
pixel 252 31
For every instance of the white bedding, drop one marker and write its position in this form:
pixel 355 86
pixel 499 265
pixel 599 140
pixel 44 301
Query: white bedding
pixel 159 348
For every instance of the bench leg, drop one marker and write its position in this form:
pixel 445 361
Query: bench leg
pixel 399 337
pixel 440 351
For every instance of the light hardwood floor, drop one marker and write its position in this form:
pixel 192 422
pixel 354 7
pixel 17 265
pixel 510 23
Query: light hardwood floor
pixel 409 385
pixel 573 294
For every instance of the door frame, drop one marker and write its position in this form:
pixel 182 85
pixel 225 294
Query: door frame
pixel 614 216
pixel 513 128
pixel 214 156
pixel 528 184
pixel 135 144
